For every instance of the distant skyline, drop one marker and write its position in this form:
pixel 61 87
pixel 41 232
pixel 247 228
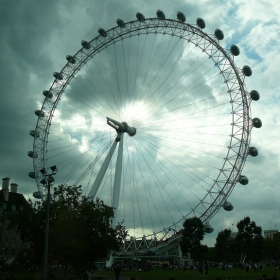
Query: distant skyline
pixel 36 36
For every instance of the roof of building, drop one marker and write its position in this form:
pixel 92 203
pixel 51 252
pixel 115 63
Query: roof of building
pixel 16 199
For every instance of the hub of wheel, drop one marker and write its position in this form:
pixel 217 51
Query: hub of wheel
pixel 121 127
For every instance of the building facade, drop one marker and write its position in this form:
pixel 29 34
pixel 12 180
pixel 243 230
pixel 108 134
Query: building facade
pixel 269 233
pixel 10 242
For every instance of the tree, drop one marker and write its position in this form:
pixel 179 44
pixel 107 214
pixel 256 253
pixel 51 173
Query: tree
pixel 272 247
pixel 222 244
pixel 192 235
pixel 80 228
pixel 250 236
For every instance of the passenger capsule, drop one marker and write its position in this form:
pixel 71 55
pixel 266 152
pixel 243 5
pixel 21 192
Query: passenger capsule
pixel 140 17
pixel 253 151
pixel 58 76
pixel 120 23
pixel 160 14
pixel 85 44
pixel 200 23
pixel 37 195
pixel 102 32
pixel 181 17
pixel 208 228
pixel 32 154
pixel 219 34
pixel 255 95
pixel 234 50
pixel 227 206
pixel 32 175
pixel 243 180
pixel 34 133
pixel 257 123
pixel 47 94
pixel 247 71
pixel 39 113
pixel 71 59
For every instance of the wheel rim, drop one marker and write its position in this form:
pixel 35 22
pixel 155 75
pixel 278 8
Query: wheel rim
pixel 200 183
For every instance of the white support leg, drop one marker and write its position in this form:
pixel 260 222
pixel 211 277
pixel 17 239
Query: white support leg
pixel 117 181
pixel 102 171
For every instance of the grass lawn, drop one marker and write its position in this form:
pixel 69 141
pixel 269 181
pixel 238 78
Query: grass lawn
pixel 157 274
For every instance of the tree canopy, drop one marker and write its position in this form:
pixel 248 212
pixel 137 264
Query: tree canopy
pixel 193 234
pixel 250 236
pixel 80 228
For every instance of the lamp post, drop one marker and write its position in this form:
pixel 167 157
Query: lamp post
pixel 47 182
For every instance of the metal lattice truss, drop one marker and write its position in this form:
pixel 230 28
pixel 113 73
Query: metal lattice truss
pixel 239 98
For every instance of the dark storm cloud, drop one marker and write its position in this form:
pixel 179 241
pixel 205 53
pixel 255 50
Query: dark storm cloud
pixel 25 29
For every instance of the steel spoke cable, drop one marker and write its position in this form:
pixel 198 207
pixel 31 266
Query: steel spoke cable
pixel 163 138
pixel 187 102
pixel 142 96
pixel 184 90
pixel 150 61
pixel 156 181
pixel 174 185
pixel 179 129
pixel 105 80
pixel 87 102
pixel 153 78
pixel 146 188
pixel 169 197
pixel 178 164
pixel 134 90
pixel 154 96
pixel 102 96
pixel 78 162
pixel 157 93
pixel 174 97
pixel 151 96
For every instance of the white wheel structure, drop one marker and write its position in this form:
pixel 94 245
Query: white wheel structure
pixel 158 106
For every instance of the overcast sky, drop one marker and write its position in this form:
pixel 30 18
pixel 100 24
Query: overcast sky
pixel 36 36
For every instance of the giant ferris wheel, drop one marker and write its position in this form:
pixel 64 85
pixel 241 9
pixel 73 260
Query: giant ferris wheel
pixel 153 117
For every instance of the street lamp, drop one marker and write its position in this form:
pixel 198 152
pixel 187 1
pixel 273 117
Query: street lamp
pixel 47 182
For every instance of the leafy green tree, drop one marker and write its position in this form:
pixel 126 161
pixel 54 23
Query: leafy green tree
pixel 251 239
pixel 192 235
pixel 272 247
pixel 80 228
pixel 222 245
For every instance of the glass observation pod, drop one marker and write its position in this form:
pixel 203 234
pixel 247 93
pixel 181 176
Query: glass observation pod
pixel 32 154
pixel 200 23
pixel 120 23
pixel 181 17
pixel 47 94
pixel 31 175
pixel 254 95
pixel 219 34
pixel 257 123
pixel 208 228
pixel 71 59
pixel 228 206
pixel 243 180
pixel 140 17
pixel 39 113
pixel 85 44
pixel 102 32
pixel 37 195
pixel 34 133
pixel 58 76
pixel 253 151
pixel 160 14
